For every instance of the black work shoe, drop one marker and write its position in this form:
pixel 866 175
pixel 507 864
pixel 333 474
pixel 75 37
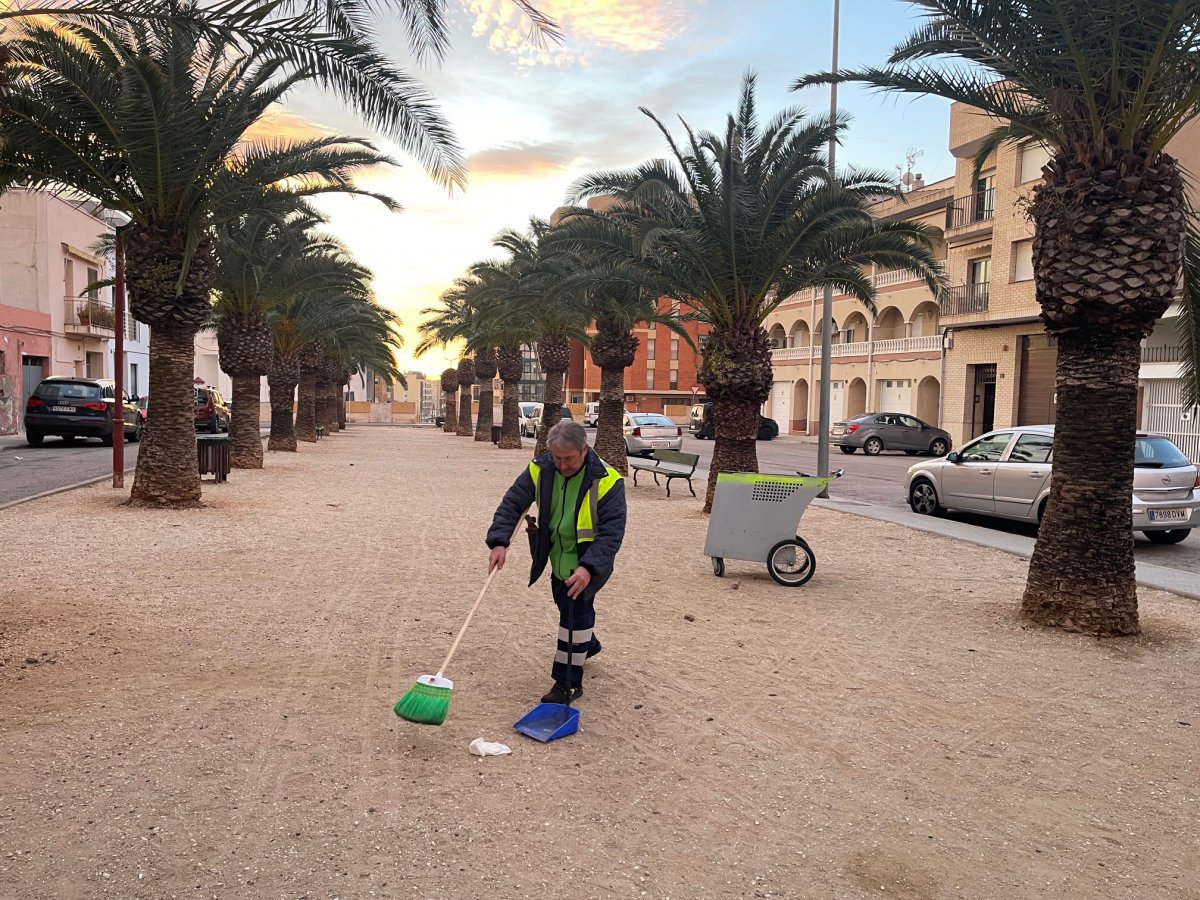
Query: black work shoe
pixel 594 648
pixel 563 693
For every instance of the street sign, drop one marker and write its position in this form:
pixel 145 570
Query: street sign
pixel 695 391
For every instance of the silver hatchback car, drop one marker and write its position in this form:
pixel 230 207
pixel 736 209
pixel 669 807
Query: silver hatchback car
pixel 1006 473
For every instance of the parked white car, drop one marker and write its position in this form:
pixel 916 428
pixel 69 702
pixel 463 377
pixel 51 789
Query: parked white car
pixel 1006 473
pixel 591 414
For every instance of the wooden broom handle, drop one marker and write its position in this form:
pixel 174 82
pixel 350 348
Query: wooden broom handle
pixel 478 600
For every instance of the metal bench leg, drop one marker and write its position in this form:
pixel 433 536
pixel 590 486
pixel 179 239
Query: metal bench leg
pixel 689 481
pixel 668 485
pixel 635 471
pixel 655 474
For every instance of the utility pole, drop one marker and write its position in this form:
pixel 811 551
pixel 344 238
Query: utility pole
pixel 118 442
pixel 823 422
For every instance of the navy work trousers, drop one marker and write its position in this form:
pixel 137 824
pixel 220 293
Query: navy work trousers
pixel 576 632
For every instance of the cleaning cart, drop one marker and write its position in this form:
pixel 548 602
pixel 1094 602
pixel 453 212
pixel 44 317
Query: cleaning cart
pixel 754 518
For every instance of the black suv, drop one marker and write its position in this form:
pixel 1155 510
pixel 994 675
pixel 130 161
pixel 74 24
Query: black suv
pixel 78 407
pixel 700 421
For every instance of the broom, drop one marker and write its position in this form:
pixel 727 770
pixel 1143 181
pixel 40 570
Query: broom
pixel 428 701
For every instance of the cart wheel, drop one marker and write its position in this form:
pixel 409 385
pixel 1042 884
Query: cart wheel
pixel 718 566
pixel 791 562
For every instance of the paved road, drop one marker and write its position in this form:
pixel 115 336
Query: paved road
pixel 27 471
pixel 878 482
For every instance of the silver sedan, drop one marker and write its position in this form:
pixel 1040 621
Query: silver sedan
pixel 1006 473
pixel 646 432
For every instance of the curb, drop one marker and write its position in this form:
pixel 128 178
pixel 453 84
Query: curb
pixel 64 488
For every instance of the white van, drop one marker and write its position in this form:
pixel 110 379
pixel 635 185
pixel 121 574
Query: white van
pixel 591 414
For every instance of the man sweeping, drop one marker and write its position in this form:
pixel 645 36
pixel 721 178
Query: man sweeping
pixel 580 503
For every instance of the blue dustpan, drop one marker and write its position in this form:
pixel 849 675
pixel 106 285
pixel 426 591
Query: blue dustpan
pixel 549 722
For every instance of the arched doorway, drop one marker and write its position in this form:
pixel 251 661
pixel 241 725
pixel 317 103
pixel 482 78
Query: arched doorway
pixel 925 320
pixel 856 398
pixel 929 394
pixel 799 421
pixel 889 325
pixel 800 336
pixel 777 336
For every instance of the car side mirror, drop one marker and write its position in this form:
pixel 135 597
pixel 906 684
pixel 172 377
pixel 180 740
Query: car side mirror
pixel 953 457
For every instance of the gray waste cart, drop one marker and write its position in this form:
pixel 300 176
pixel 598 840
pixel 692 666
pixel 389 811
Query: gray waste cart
pixel 755 516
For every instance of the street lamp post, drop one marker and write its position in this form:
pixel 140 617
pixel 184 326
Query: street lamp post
pixel 827 302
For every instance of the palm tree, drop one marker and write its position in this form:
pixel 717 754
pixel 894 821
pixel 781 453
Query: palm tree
pixel 618 304
pixel 1105 84
pixel 148 119
pixel 450 389
pixel 313 286
pixel 734 224
pixel 466 381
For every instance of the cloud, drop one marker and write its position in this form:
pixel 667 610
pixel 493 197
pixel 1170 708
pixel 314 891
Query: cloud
pixel 523 160
pixel 624 26
pixel 279 124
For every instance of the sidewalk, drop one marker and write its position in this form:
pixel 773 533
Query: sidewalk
pixel 212 716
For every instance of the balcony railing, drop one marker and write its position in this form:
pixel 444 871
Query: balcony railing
pixel 87 316
pixel 861 348
pixel 880 279
pixel 1162 354
pixel 977 207
pixel 966 299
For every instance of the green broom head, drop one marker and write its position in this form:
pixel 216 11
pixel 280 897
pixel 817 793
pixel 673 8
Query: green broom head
pixel 427 702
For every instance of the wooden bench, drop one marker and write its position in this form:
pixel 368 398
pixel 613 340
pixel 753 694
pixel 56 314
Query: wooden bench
pixel 668 463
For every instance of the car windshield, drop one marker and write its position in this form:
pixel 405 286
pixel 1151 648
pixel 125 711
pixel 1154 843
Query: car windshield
pixel 1157 453
pixel 56 391
pixel 527 409
pixel 651 420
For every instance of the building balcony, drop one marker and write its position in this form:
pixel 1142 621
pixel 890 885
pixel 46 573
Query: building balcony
pixel 923 344
pixel 87 317
pixel 880 279
pixel 966 300
pixel 971 215
pixel 1162 354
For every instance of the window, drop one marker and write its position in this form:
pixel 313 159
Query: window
pixel 1022 260
pixel 650 349
pixel 673 380
pixel 674 348
pixel 1033 157
pixel 93 293
pixel 132 387
pixel 979 271
pixel 910 422
pixel 988 449
pixel 130 326
pixel 650 379
pixel 985 198
pixel 1032 448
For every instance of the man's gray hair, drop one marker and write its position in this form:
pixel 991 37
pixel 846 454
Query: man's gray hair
pixel 567 435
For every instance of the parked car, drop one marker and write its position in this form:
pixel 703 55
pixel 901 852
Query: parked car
pixel 530 421
pixel 876 432
pixel 1006 473
pixel 591 414
pixel 211 412
pixel 79 407
pixel 700 423
pixel 143 410
pixel 645 432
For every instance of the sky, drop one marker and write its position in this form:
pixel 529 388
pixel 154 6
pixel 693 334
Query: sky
pixel 532 120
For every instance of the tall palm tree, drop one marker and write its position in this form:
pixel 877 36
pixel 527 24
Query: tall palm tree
pixel 148 119
pixel 466 381
pixel 450 389
pixel 1105 84
pixel 618 304
pixel 736 222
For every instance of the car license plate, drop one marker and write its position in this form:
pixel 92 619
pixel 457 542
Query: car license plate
pixel 1168 515
pixel 837 429
pixel 63 408
pixel 660 443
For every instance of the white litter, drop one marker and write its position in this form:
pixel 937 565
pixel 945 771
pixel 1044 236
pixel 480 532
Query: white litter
pixel 480 747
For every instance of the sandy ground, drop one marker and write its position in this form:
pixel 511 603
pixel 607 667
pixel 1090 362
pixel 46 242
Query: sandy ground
pixel 212 718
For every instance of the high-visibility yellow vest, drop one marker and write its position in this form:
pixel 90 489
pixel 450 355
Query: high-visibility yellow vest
pixel 585 528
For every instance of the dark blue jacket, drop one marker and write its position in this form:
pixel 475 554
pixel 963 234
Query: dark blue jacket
pixel 596 556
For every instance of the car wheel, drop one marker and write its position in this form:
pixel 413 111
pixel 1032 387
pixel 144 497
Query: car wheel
pixel 34 438
pixel 1042 512
pixel 940 447
pixel 215 426
pixel 873 446
pixel 791 562
pixel 911 452
pixel 137 431
pixel 718 566
pixel 68 438
pixel 923 499
pixel 106 439
pixel 1174 536
pixel 846 450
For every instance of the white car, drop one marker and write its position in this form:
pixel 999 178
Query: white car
pixel 527 422
pixel 1006 473
pixel 591 414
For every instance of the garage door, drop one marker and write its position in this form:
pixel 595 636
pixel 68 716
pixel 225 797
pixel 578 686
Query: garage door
pixel 895 395
pixel 1035 402
pixel 781 405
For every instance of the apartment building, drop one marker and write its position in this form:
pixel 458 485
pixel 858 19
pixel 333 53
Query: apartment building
pixel 53 321
pixel 887 359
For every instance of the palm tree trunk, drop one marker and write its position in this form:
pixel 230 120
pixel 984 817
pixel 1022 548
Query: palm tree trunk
pixel 341 402
pixel 321 402
pixel 1094 591
pixel 734 449
pixel 510 364
pixel 551 407
pixel 451 424
pixel 167 471
pixel 610 434
pixel 246 451
pixel 282 381
pixel 306 408
pixel 485 374
pixel 465 428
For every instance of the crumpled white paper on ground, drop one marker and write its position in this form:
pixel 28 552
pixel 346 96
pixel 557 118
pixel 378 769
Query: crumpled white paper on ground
pixel 480 747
